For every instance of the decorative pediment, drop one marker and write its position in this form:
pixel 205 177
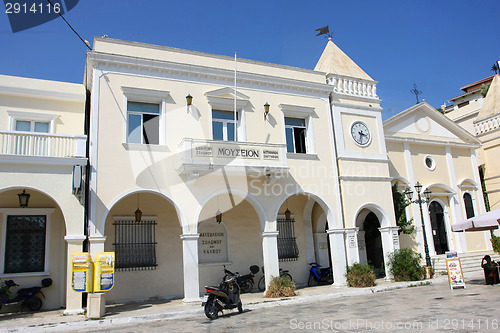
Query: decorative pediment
pixel 424 123
pixel 224 99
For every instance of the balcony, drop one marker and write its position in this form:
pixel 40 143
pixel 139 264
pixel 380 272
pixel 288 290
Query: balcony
pixel 201 156
pixel 29 147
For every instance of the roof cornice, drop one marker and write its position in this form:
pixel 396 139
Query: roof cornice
pixel 431 142
pixel 42 93
pixel 205 74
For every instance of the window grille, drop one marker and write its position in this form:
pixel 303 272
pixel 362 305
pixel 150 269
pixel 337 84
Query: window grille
pixel 287 244
pixel 135 244
pixel 25 243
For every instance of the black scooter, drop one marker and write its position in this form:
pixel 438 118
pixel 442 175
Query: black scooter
pixel 226 296
pixel 25 296
pixel 246 281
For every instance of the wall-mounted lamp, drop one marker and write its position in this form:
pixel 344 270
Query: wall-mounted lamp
pixel 288 213
pixel 218 216
pixel 138 213
pixel 24 198
pixel 189 99
pixel 268 174
pixel 266 110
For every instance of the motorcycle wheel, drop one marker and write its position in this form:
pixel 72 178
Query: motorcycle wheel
pixel 312 281
pixel 246 286
pixel 33 303
pixel 329 278
pixel 240 307
pixel 262 284
pixel 211 309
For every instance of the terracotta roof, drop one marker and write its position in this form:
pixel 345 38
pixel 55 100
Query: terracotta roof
pixel 489 78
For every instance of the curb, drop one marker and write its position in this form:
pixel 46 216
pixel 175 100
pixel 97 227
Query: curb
pixel 249 305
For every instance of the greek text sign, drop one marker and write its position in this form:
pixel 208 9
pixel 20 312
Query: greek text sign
pixel 212 244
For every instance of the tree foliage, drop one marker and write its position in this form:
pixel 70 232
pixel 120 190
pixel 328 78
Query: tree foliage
pixel 400 204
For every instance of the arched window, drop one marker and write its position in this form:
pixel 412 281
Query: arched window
pixel 469 208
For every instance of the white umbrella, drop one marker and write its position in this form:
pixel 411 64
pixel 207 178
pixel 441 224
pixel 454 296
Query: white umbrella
pixel 486 221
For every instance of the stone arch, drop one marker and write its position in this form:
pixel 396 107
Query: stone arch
pixel 51 197
pixel 332 221
pixel 180 213
pixel 263 219
pixel 381 214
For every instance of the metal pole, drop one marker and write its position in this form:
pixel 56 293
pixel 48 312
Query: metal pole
pixel 426 246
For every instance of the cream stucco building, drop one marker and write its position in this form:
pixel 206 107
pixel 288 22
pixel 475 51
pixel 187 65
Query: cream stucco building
pixel 165 140
pixel 42 153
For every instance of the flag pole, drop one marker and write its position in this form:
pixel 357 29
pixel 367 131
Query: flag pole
pixel 235 90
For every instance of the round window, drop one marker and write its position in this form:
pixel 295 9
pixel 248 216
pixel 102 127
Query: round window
pixel 429 163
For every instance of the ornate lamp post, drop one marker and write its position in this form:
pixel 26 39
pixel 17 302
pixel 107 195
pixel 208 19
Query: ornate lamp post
pixel 420 201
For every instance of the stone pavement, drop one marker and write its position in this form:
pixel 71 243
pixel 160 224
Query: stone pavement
pixel 116 314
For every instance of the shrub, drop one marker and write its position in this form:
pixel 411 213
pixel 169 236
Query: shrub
pixel 360 275
pixel 405 265
pixel 280 287
pixel 495 242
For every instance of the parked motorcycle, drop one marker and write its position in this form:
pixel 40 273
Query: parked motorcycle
pixel 245 281
pixel 25 296
pixel 226 296
pixel 319 275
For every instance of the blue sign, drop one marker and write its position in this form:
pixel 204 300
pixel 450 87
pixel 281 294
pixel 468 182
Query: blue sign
pixel 27 14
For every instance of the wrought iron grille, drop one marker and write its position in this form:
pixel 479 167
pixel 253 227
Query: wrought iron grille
pixel 135 245
pixel 287 244
pixel 25 243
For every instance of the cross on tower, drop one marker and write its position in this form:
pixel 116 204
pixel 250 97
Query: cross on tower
pixel 416 92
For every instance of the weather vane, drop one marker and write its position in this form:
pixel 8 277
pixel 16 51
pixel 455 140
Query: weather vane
pixel 416 92
pixel 324 31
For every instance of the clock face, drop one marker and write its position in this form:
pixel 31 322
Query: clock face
pixel 360 133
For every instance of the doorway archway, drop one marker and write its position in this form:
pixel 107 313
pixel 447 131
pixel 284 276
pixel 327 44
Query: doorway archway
pixel 439 235
pixel 373 243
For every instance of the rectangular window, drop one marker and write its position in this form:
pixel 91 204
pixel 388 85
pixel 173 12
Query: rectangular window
pixel 295 131
pixel 143 123
pixel 287 244
pixel 135 244
pixel 223 125
pixel 25 243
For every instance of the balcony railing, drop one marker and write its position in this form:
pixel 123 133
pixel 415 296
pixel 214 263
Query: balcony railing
pixel 352 86
pixel 487 124
pixel 204 155
pixel 41 144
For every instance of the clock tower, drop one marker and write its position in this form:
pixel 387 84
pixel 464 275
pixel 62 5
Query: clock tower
pixel 370 231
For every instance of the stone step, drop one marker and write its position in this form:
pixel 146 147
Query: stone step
pixel 471 263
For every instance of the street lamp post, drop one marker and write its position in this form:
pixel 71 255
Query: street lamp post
pixel 420 201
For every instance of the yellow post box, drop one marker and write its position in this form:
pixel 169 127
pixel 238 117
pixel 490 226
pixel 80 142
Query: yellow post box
pixel 104 271
pixel 81 272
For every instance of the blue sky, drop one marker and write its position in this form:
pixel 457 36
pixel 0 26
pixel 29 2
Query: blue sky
pixel 438 45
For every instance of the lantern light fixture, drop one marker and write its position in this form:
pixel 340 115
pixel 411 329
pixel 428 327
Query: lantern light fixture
pixel 218 214
pixel 266 110
pixel 24 199
pixel 189 99
pixel 138 212
pixel 288 213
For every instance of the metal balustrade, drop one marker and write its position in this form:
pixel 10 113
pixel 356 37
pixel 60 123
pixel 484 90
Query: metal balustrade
pixel 41 144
